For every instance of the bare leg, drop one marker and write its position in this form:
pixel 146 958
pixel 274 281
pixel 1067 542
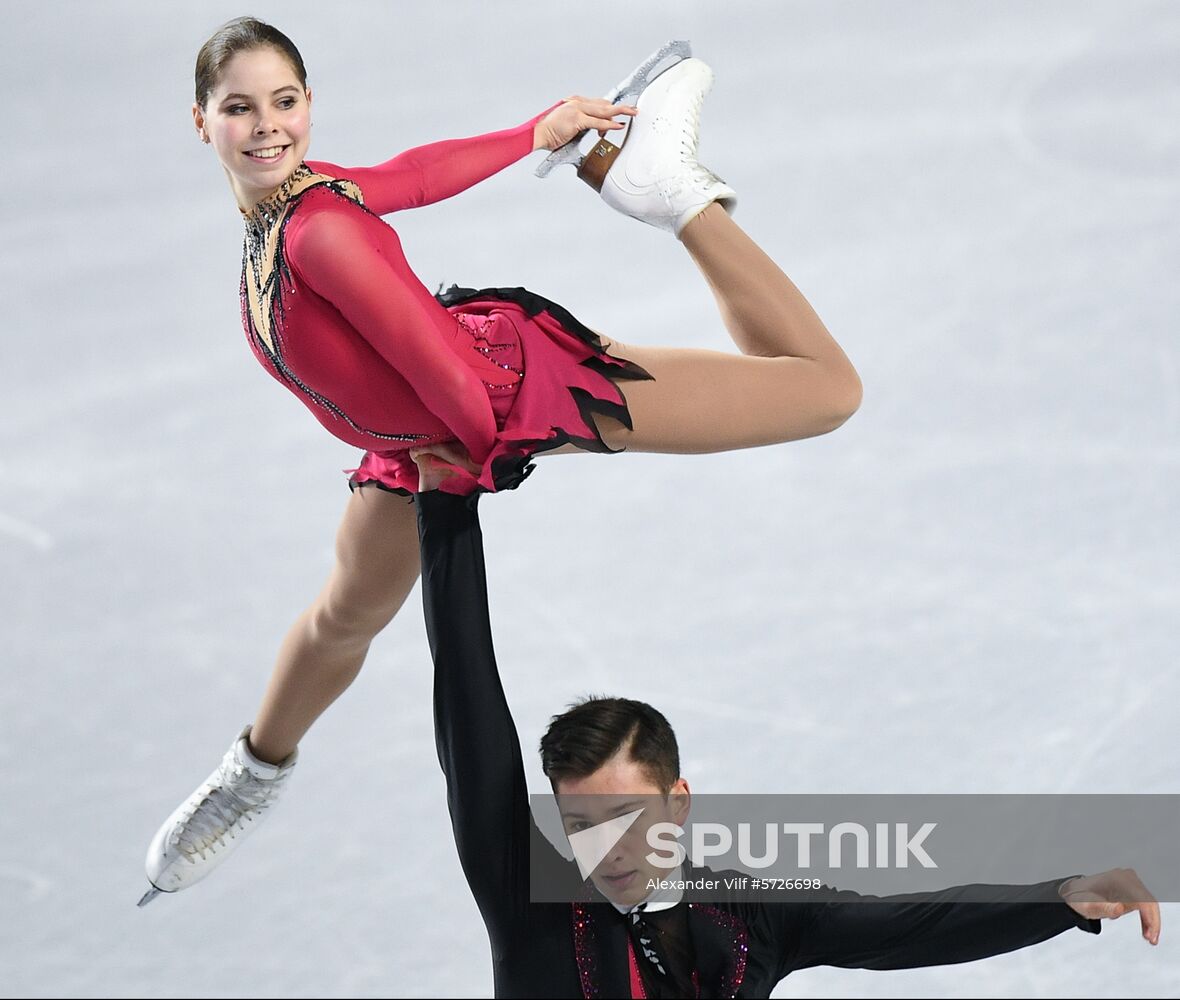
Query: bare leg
pixel 792 380
pixel 376 566
pixel 765 313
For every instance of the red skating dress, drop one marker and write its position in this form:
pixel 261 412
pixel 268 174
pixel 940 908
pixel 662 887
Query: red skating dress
pixel 332 310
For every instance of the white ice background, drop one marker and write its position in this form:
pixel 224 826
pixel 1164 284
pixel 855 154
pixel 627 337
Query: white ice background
pixel 970 587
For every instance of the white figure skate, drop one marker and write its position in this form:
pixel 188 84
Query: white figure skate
pixel 654 175
pixel 218 816
pixel 626 91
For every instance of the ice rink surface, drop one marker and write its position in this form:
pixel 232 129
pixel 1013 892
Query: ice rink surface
pixel 970 587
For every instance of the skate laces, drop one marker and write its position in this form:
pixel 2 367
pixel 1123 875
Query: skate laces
pixel 238 795
pixel 691 128
pixel 693 176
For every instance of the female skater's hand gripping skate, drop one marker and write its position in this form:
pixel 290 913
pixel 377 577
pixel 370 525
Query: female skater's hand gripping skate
pixel 575 116
pixel 445 461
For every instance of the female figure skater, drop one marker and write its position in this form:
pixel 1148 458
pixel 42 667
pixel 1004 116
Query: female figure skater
pixel 486 378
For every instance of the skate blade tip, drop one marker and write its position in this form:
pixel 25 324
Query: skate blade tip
pixel 148 896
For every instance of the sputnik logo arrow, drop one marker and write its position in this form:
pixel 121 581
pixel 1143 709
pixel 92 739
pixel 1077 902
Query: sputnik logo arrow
pixel 591 846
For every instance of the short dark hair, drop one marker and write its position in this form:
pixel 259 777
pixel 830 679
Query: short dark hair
pixel 591 731
pixel 239 35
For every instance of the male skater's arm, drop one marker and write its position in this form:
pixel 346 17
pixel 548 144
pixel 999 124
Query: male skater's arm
pixel 959 924
pixel 474 732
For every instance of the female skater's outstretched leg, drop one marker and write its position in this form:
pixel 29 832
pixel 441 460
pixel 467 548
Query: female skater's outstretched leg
pixel 377 563
pixel 376 566
pixel 791 381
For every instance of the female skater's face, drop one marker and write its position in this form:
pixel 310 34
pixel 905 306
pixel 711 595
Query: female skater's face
pixel 257 107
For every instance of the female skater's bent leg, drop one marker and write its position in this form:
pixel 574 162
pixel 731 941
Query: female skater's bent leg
pixel 764 312
pixel 376 566
pixel 791 381
pixel 702 401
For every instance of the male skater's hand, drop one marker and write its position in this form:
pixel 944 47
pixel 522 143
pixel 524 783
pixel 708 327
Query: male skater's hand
pixel 1110 895
pixel 444 461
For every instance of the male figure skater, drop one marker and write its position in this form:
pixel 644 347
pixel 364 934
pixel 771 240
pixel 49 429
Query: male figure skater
pixel 622 940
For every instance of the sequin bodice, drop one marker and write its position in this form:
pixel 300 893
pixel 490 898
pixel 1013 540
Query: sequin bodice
pixel 263 265
pixel 267 210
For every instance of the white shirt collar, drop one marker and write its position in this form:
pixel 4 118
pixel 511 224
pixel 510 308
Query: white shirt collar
pixel 663 897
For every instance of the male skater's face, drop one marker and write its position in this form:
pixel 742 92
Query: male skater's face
pixel 619 788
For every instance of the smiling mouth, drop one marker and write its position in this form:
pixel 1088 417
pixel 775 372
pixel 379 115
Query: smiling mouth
pixel 274 153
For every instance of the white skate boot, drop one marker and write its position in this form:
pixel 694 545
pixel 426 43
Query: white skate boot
pixel 211 822
pixel 654 175
pixel 625 91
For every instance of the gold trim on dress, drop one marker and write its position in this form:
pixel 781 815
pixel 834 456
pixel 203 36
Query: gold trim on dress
pixel 262 266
